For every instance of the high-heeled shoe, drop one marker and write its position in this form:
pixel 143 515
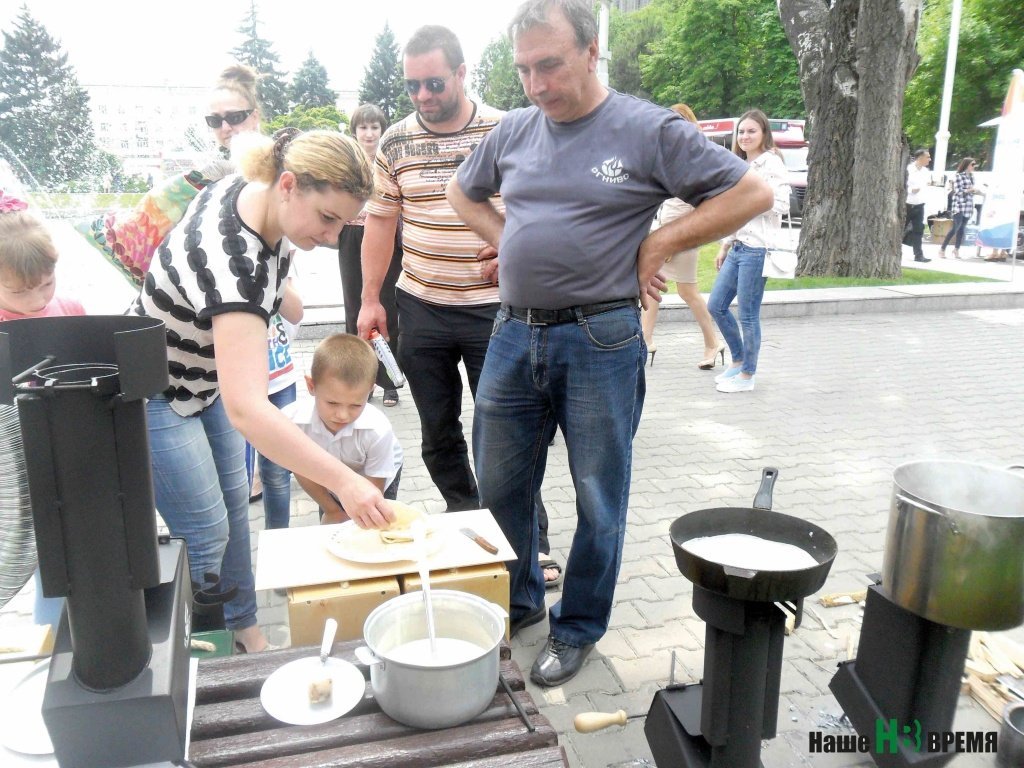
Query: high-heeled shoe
pixel 708 364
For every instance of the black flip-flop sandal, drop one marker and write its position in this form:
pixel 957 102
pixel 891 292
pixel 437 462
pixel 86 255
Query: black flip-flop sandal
pixel 390 398
pixel 555 582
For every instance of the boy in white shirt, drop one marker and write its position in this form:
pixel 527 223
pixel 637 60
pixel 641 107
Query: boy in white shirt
pixel 341 422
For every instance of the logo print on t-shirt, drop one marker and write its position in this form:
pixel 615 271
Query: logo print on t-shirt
pixel 611 171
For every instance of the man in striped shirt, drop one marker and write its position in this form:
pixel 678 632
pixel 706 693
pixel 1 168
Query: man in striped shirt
pixel 447 297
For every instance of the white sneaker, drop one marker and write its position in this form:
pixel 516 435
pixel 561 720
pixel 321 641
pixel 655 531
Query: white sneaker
pixel 736 384
pixel 728 373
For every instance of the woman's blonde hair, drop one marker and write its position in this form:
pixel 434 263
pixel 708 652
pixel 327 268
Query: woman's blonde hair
pixel 241 80
pixel 349 359
pixel 319 160
pixel 684 111
pixel 26 250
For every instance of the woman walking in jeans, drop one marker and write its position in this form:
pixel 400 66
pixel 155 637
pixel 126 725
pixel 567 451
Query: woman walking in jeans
pixel 740 260
pixel 961 206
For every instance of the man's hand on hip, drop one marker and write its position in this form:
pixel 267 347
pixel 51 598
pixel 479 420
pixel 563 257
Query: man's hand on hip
pixel 488 258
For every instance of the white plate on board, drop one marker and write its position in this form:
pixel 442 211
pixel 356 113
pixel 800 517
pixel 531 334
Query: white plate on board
pixel 285 694
pixel 21 715
pixel 364 545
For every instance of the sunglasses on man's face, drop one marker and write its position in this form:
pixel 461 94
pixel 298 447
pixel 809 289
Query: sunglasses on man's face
pixel 433 84
pixel 237 117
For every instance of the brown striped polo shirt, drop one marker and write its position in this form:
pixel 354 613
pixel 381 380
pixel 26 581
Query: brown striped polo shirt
pixel 412 171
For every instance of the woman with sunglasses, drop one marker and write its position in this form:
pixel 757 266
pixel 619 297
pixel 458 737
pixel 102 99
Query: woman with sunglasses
pixel 218 278
pixel 233 106
pixel 961 205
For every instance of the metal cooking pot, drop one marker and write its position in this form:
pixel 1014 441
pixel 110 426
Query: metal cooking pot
pixel 760 521
pixel 954 549
pixel 426 695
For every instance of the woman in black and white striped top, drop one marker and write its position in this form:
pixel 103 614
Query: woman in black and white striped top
pixel 215 281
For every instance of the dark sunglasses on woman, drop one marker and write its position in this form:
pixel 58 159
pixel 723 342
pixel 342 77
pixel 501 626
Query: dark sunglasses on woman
pixel 433 84
pixel 237 117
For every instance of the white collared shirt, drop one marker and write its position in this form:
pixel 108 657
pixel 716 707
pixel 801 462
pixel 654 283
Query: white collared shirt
pixel 367 446
pixel 917 180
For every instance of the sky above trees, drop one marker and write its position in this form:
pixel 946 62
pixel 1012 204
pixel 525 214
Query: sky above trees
pixel 187 42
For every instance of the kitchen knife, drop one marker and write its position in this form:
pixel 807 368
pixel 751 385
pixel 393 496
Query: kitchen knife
pixel 480 540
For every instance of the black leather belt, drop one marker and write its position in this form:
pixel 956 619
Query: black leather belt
pixel 566 315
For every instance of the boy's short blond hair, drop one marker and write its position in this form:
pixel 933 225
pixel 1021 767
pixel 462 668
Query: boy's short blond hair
pixel 26 250
pixel 347 358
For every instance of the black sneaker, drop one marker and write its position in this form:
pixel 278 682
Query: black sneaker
pixel 559 662
pixel 921 258
pixel 527 620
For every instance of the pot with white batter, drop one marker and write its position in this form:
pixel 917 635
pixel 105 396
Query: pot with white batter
pixel 440 687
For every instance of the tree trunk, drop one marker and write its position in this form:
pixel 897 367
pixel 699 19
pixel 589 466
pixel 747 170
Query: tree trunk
pixel 855 59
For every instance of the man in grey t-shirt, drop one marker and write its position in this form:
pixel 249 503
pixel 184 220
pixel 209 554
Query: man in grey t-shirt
pixel 581 174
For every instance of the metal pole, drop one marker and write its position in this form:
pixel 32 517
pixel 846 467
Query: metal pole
pixel 603 55
pixel 942 137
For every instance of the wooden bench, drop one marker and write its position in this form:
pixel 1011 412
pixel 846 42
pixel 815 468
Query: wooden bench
pixel 231 728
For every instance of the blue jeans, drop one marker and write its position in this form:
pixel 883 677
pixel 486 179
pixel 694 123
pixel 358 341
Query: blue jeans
pixel 587 378
pixel 202 494
pixel 957 230
pixel 277 481
pixel 740 276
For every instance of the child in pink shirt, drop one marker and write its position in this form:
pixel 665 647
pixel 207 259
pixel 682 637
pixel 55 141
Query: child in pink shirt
pixel 27 264
pixel 27 285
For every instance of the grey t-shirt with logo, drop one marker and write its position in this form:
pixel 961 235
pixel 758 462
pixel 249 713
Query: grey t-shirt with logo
pixel 580 196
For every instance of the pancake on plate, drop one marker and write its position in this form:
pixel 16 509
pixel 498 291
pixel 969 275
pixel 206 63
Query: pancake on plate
pixel 400 530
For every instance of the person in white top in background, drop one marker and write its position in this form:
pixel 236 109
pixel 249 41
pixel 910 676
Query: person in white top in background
pixel 740 260
pixel 917 180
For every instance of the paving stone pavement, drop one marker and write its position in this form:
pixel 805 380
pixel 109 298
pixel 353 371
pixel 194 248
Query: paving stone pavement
pixel 840 401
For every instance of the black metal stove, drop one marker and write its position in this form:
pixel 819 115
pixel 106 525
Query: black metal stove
pixel 907 672
pixel 117 688
pixel 953 563
pixel 721 721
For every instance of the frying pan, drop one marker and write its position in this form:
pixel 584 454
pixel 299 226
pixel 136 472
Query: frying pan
pixel 747 584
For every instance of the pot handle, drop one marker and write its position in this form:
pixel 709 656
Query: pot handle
pixel 763 499
pixel 920 505
pixel 366 656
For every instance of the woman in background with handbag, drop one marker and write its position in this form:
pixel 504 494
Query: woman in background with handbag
pixel 741 260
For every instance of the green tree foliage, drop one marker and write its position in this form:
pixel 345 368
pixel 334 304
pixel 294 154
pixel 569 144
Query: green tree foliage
pixel 495 78
pixel 327 118
pixel 44 113
pixel 309 86
pixel 383 79
pixel 258 53
pixel 721 57
pixel 631 35
pixel 990 47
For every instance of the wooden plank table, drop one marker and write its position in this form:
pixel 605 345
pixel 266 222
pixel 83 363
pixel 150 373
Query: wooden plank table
pixel 231 728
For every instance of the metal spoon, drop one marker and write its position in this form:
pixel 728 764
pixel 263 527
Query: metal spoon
pixel 330 630
pixel 419 535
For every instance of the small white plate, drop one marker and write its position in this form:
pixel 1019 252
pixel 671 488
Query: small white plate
pixel 21 717
pixel 364 545
pixel 285 694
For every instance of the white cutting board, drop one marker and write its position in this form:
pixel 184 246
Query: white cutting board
pixel 298 557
